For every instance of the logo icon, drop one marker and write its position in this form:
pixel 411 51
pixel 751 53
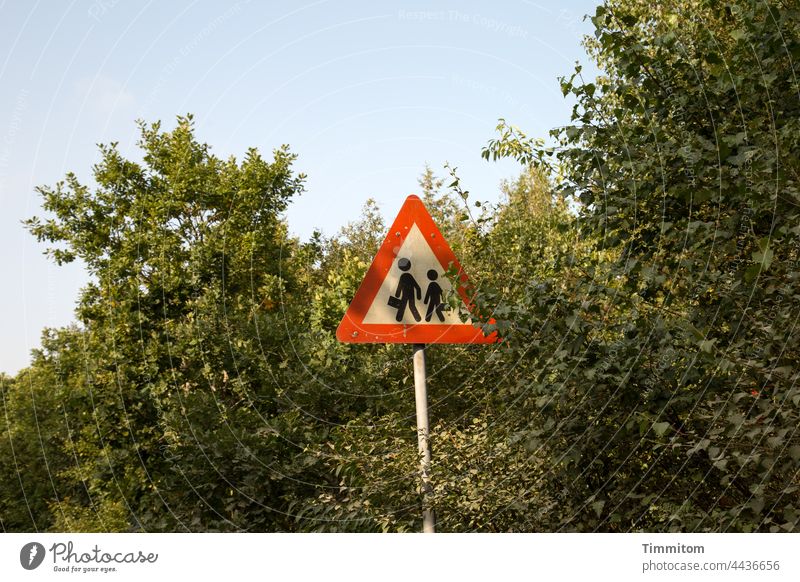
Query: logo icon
pixel 31 555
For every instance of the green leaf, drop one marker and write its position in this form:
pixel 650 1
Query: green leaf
pixel 707 346
pixel 660 428
pixel 764 255
pixel 738 34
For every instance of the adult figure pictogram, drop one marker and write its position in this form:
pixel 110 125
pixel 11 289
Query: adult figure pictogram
pixel 433 297
pixel 407 290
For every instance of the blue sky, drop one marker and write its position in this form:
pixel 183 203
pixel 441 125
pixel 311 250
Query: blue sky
pixel 365 93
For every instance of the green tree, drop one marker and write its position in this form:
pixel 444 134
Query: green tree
pixel 670 389
pixel 181 330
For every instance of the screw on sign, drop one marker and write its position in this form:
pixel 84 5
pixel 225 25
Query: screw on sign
pixel 388 304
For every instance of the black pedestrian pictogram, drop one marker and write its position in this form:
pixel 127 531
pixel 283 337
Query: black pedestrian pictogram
pixel 433 297
pixel 407 290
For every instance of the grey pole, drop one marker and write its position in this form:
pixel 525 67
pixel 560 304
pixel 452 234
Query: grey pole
pixel 423 434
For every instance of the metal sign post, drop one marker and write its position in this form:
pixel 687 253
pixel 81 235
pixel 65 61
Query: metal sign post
pixel 423 437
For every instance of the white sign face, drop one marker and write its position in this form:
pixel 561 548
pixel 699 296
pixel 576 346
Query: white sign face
pixel 415 291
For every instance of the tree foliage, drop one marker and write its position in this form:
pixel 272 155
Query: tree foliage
pixel 673 386
pixel 642 273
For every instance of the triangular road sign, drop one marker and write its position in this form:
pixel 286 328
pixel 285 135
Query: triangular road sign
pixel 402 298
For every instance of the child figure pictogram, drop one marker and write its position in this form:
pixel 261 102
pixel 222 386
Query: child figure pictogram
pixel 433 297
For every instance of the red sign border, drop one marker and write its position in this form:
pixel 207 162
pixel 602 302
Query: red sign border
pixel 353 330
